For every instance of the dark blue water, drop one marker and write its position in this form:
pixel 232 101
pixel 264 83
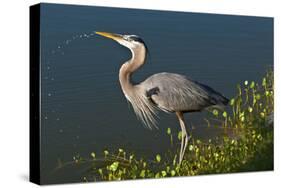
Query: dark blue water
pixel 83 107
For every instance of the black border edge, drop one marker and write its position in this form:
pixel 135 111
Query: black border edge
pixel 34 94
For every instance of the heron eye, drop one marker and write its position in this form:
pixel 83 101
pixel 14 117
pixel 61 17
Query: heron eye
pixel 127 38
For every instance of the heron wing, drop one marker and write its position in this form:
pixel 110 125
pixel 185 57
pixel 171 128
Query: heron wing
pixel 174 92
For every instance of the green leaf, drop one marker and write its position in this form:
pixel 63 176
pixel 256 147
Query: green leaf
pixel 158 158
pixel 113 167
pixel 173 173
pixel 267 93
pixel 164 173
pixel 142 173
pixel 100 171
pixel 105 152
pixel 242 116
pixel 180 135
pixel 191 147
pixel 216 154
pixel 252 85
pixel 263 81
pixel 250 109
pixel 169 131
pixel 120 150
pixel 157 175
pixel 93 155
pixel 215 112
pixel 232 102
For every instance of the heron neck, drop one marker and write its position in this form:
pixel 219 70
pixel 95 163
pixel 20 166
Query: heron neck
pixel 129 67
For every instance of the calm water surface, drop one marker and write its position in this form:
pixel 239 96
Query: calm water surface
pixel 83 107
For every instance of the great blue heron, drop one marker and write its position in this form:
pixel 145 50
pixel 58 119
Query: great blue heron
pixel 164 91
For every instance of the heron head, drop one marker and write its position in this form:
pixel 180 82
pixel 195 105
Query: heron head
pixel 129 41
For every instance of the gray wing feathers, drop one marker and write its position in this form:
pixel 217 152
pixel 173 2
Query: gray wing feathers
pixel 174 92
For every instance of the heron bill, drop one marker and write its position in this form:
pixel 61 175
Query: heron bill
pixel 109 35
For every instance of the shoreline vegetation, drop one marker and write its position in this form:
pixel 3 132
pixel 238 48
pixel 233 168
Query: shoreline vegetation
pixel 246 145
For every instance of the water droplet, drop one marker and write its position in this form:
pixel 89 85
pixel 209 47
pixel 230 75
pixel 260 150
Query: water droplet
pixel 46 117
pixel 48 67
pixel 58 119
pixel 61 131
pixel 49 94
pixel 52 79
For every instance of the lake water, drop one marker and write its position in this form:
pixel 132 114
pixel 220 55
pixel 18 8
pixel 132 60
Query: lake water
pixel 83 107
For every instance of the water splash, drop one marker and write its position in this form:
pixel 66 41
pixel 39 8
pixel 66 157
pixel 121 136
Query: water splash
pixel 50 71
pixel 65 43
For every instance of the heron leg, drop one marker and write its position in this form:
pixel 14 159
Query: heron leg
pixel 185 136
pixel 182 143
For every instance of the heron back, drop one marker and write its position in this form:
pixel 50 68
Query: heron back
pixel 174 92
